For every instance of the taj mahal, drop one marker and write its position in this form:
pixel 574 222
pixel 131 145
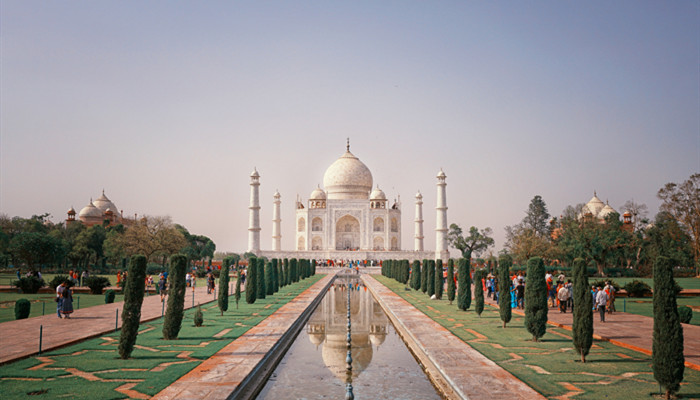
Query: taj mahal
pixel 349 218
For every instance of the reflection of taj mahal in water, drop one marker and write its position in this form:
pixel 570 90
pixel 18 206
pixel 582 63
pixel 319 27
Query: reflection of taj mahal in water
pixel 349 219
pixel 328 327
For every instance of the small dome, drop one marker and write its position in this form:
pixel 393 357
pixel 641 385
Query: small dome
pixel 377 194
pixel 255 173
pixel 71 211
pixel 605 211
pixel 594 205
pixel 441 174
pixel 627 214
pixel 377 338
pixel 109 211
pixel 348 178
pixel 317 194
pixel 103 203
pixel 277 194
pixel 317 338
pixel 90 211
pixel 419 195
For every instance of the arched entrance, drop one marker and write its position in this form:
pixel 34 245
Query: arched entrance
pixel 347 233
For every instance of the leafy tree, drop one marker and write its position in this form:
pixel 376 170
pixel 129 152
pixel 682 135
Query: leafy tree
pixel 439 283
pixel 424 277
pixel 464 286
pixel 113 246
pixel 415 275
pixel 504 283
pixel 668 361
pixel 524 243
pixel 683 203
pixel 34 248
pixel 451 280
pixel 536 299
pixel 670 239
pixel 477 242
pixel 176 297
pixel 153 236
pixel 431 278
pixel 260 289
pixel 133 299
pixel 478 292
pixel 583 312
pixel 223 285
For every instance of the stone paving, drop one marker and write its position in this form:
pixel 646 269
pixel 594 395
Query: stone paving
pixel 455 367
pixel 220 375
pixel 20 338
pixel 631 331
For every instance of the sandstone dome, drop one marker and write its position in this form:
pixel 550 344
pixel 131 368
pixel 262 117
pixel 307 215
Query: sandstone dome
pixel 348 178
pixel 103 203
pixel 90 211
pixel 594 205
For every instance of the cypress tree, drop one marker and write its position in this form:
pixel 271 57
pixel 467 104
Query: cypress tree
pixel 406 271
pixel 305 268
pixel 223 285
pixel 667 343
pixel 176 298
pixel 260 282
pixel 431 278
pixel 504 263
pixel 415 275
pixel 450 280
pixel 536 298
pixel 439 282
pixel 251 281
pixel 275 276
pixel 269 284
pixel 583 312
pixel 424 277
pixel 462 284
pixel 285 272
pixel 133 298
pixel 295 270
pixel 478 292
pixel 237 294
pixel 313 267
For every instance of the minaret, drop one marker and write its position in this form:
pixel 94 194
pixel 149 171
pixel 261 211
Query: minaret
pixel 419 222
pixel 276 235
pixel 441 251
pixel 254 221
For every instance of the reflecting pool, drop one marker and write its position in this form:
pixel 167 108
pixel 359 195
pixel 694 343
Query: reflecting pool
pixel 315 365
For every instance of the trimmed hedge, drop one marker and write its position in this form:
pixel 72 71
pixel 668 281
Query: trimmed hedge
pixel 22 309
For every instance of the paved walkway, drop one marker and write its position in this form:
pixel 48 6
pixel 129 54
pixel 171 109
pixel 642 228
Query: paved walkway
pixel 631 331
pixel 219 376
pixel 455 367
pixel 20 338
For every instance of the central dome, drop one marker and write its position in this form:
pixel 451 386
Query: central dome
pixel 347 178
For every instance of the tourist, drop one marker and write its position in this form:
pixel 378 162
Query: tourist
pixel 210 283
pixel 193 281
pixel 188 279
pixel 162 287
pixel 59 297
pixel 601 301
pixel 570 288
pixel 594 293
pixel 563 297
pixel 84 275
pixel 520 294
pixel 67 303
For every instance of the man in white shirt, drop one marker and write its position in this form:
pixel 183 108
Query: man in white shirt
pixel 59 298
pixel 563 297
pixel 601 300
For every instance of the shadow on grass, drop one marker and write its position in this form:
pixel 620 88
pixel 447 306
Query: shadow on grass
pixel 618 360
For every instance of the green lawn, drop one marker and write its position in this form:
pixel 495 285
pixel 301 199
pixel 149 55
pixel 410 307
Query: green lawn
pixel 92 369
pixel 643 306
pixel 45 303
pixel 7 279
pixel 550 366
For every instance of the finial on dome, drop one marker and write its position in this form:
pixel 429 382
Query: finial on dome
pixel 595 194
pixel 347 146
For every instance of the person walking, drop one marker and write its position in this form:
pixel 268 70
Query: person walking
pixel 162 287
pixel 59 298
pixel 210 283
pixel 563 297
pixel 67 303
pixel 601 300
pixel 520 294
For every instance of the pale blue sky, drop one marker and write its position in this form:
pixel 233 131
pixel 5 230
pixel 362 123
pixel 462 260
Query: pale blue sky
pixel 168 106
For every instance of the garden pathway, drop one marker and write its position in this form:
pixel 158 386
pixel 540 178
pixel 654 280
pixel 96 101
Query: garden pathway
pixel 20 338
pixel 631 331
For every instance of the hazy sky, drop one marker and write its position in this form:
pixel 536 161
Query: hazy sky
pixel 168 106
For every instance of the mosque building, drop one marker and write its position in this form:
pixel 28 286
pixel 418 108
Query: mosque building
pixel 349 218
pixel 98 212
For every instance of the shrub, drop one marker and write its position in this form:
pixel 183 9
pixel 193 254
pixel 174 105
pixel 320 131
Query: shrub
pixel 685 314
pixel 98 283
pixel 583 312
pixel 198 316
pixel 22 308
pixel 668 361
pixel 216 272
pixel 601 283
pixel 176 297
pixel 133 298
pixel 637 289
pixel 464 286
pixel 451 280
pixel 57 280
pixel 536 308
pixel 29 284
pixel 251 281
pixel 109 296
pixel 504 283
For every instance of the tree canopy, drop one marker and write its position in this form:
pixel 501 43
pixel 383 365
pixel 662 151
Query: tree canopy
pixel 475 243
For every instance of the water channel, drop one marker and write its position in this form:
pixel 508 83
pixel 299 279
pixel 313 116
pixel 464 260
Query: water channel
pixel 315 365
